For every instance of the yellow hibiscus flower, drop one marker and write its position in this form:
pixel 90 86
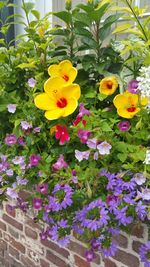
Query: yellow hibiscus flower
pixel 127 104
pixel 64 70
pixel 58 100
pixel 108 85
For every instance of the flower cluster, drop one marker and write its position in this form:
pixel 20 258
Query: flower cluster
pixel 86 162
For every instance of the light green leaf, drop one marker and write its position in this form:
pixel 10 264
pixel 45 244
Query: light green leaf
pixel 122 28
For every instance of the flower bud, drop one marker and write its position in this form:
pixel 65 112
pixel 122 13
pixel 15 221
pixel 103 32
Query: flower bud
pixel 68 4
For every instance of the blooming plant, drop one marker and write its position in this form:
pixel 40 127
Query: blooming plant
pixel 75 133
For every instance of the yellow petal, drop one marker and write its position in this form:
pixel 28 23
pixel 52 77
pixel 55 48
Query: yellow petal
pixel 144 101
pixel 71 107
pixel 120 101
pixel 54 114
pixel 43 101
pixel 122 112
pixel 65 65
pixel 53 70
pixel 71 91
pixel 53 85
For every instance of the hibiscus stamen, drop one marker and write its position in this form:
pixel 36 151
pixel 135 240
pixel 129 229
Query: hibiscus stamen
pixel 62 102
pixel 66 78
pixel 131 109
pixel 109 84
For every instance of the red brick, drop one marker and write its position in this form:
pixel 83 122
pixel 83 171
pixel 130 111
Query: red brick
pixel 55 259
pixel 138 231
pixel 56 248
pixel 24 194
pixel 27 262
pixel 80 262
pixel 2 226
pixel 44 263
pixel 3 245
pixel 136 245
pixel 13 233
pixel 0 233
pixel 126 258
pixel 121 240
pixel 30 233
pixel 33 224
pixel 14 252
pixel 12 222
pixel 10 210
pixel 14 243
pixel 109 263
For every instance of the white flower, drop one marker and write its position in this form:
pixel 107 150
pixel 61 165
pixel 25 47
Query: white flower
pixel 144 82
pixel 147 158
pixel 11 108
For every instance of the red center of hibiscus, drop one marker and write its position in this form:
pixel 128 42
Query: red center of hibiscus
pixel 62 102
pixel 66 78
pixel 132 109
pixel 109 84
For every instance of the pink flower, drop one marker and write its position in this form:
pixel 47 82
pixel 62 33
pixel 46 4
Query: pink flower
pixel 83 111
pixel 60 163
pixel 62 134
pixel 83 135
pixel 34 160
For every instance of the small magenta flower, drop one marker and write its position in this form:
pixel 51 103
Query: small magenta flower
pixel 104 148
pixel 42 188
pixel 83 111
pixel 10 139
pixel 32 82
pixel 37 203
pixel 83 135
pixel 89 255
pixel 11 108
pixel 20 141
pixel 133 86
pixel 124 126
pixel 60 163
pixel 62 134
pixel 34 160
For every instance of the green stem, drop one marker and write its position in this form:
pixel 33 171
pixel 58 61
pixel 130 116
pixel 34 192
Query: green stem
pixel 137 20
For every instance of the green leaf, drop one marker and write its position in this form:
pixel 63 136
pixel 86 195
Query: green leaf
pixel 105 127
pixel 27 65
pixel 83 18
pixel 102 97
pixel 122 27
pixel 28 7
pixel 36 14
pixel 122 157
pixel 97 14
pixel 64 15
pixel 2 4
pixel 111 19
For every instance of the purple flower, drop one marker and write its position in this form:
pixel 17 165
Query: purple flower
pixel 122 217
pixel 95 243
pixel 37 203
pixel 25 125
pixel 144 252
pixel 18 160
pixel 60 164
pixel 133 86
pixel 32 82
pixel 95 156
pixel 37 130
pixel 145 194
pixel 93 216
pixel 21 181
pixel 43 235
pixel 92 143
pixel 11 108
pixel 80 155
pixel 141 211
pixel 12 193
pixel 109 251
pixel 55 233
pixel 89 255
pixel 20 141
pixel 83 135
pixel 74 177
pixel 10 139
pixel 83 111
pixel 34 160
pixel 62 197
pixel 42 188
pixel 9 172
pixel 139 178
pixel 124 126
pixel 104 148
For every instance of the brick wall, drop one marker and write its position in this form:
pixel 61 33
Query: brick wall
pixel 20 246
